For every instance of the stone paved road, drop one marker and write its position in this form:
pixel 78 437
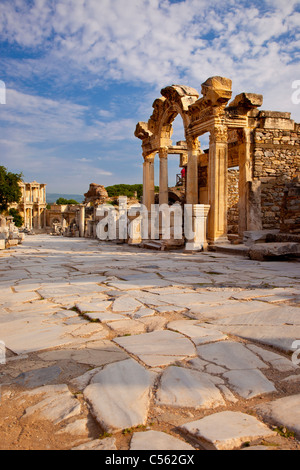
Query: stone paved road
pixel 112 347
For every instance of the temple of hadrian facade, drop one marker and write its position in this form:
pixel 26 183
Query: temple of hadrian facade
pixel 32 206
pixel 263 145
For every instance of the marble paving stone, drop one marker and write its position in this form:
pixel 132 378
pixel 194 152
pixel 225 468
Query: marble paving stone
pixel 98 444
pixel 155 440
pixel 127 327
pixel 182 387
pixel 144 312
pixel 94 353
pixel 81 382
pixel 57 403
pixel 280 336
pixel 249 383
pixel 227 308
pixel 227 430
pixel 190 300
pixel 158 348
pixel 105 317
pixel 119 396
pixel 88 307
pixel 77 428
pixel 38 377
pixel 196 333
pixel 280 363
pixel 139 284
pixel 283 412
pixel 231 355
pixel 125 304
pixel 272 316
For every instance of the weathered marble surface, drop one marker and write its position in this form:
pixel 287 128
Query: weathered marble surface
pixel 129 340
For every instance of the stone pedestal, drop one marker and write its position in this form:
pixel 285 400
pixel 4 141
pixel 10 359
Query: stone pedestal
pixel 197 241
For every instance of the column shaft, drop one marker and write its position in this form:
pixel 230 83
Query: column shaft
pixel 163 176
pixel 217 185
pixel 192 172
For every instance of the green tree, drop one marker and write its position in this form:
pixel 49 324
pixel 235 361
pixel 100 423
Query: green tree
pixel 64 202
pixel 128 190
pixel 10 190
pixel 18 219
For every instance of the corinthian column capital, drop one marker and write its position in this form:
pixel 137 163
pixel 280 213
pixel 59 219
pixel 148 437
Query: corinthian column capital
pixel 163 152
pixel 219 134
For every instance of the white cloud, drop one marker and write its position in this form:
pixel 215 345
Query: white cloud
pixel 150 42
pixel 154 42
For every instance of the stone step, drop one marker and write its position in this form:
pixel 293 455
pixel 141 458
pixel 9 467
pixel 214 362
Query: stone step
pixel 241 250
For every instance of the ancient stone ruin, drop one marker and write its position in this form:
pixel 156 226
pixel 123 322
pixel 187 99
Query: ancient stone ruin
pixel 241 179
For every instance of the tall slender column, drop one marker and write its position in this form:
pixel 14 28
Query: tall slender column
pixel 245 175
pixel 39 217
pixel 148 181
pixel 217 185
pixel 192 171
pixel 163 176
pixel 81 221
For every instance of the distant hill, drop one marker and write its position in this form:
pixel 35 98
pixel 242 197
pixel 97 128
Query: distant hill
pixel 52 197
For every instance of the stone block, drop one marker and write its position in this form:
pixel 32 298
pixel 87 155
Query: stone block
pixel 268 251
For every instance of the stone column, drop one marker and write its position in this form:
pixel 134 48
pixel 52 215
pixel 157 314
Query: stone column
pixel 163 176
pixel 245 176
pixel 39 217
pixel 217 185
pixel 148 181
pixel 81 221
pixel 192 171
pixel 25 213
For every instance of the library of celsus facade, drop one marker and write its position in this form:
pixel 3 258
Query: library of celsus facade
pixel 32 206
pixel 262 146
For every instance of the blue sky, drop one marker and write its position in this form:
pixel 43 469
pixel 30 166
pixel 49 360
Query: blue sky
pixel 80 74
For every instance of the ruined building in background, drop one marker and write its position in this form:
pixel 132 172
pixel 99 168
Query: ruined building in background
pixel 244 176
pixel 32 206
pixel 96 196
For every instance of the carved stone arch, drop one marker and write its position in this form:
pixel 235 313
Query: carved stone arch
pixel 177 99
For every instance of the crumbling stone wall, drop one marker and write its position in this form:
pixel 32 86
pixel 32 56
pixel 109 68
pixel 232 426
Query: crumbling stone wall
pixel 276 160
pixel 233 201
